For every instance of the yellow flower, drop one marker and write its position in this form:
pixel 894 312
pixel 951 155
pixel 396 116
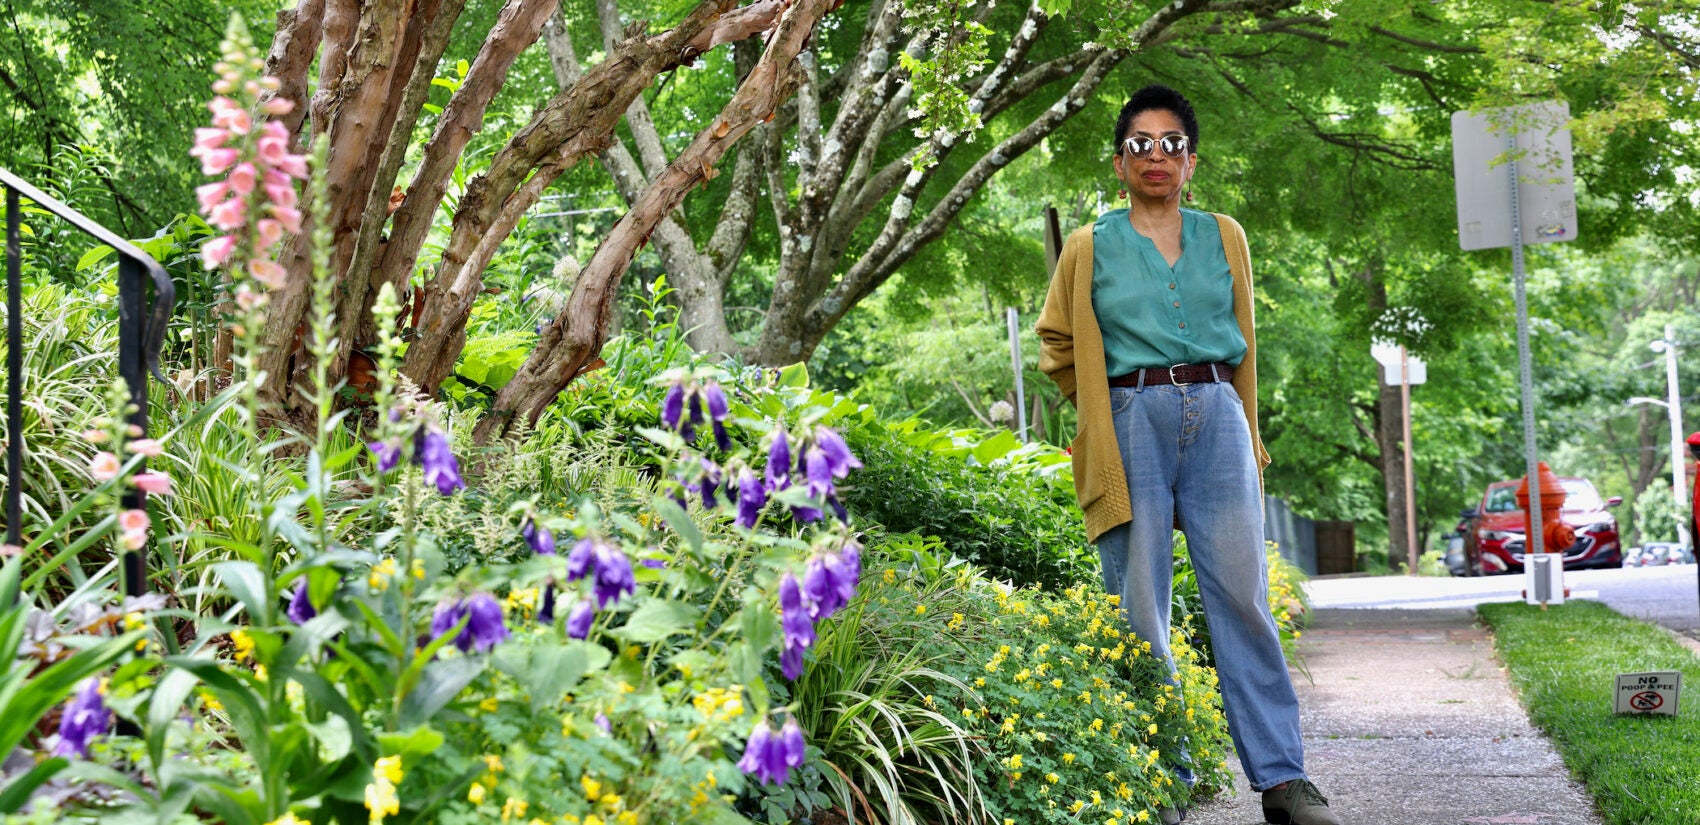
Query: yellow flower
pixel 1056 684
pixel 1075 808
pixel 475 794
pixel 1042 620
pixel 1013 761
pixel 956 621
pixel 889 576
pixel 1152 728
pixel 389 768
pixel 244 644
pixel 1143 816
pixel 513 809
pixel 1068 759
pixel 417 568
pixel 382 572
pixel 980 682
pixel 489 704
pixel 1097 724
pixel 288 818
pixel 920 609
pixel 493 763
pixel 1097 798
pixel 592 788
pixel 1052 778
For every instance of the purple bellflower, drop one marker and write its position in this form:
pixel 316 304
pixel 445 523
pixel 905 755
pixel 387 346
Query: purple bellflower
pixel 769 756
pixel 387 454
pixel 752 496
pixel 718 411
pixel 578 621
pixel 582 559
pixel 484 627
pixel 608 567
pixel 838 456
pixel 818 470
pixel 613 576
pixel 431 450
pixel 85 716
pixel 798 625
pixel 603 722
pixel 301 610
pixel 541 540
pixel 673 406
pixel 779 462
pixel 546 608
pixel 711 478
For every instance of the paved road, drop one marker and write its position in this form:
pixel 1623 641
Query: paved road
pixel 1668 595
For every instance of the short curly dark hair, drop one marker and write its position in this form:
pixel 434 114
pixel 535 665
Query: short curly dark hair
pixel 1157 96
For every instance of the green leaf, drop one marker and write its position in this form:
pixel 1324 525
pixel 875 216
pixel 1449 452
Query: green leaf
pixel 168 698
pixel 657 619
pixel 996 447
pixel 440 683
pixel 549 672
pixel 419 741
pixel 246 583
pixel 461 68
pixel 17 792
pixel 93 256
pixel 335 736
pixel 719 815
pixel 681 523
pixel 796 375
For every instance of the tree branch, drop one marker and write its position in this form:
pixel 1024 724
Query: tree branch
pixel 573 337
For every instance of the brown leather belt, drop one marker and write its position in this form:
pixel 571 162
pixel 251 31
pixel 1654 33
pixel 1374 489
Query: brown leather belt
pixel 1179 375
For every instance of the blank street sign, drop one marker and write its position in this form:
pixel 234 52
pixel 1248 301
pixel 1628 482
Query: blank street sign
pixel 1546 179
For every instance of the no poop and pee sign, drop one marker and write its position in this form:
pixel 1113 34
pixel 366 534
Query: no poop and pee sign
pixel 1654 692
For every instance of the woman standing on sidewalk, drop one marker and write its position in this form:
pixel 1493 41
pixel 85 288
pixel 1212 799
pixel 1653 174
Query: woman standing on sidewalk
pixel 1148 329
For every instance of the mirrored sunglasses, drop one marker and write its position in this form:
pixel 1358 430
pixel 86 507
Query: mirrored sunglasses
pixel 1139 146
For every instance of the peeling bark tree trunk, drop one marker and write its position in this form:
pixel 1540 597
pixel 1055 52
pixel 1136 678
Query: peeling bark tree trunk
pixel 376 61
pixel 574 337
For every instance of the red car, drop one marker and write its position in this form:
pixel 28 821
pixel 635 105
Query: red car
pixel 1493 532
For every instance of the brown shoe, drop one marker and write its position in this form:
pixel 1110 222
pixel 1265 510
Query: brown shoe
pixel 1297 803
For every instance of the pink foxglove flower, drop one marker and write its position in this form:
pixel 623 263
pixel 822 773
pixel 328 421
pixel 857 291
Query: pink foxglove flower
pixel 132 520
pixel 215 161
pixel 243 177
pixel 290 219
pixel 278 106
pixel 133 539
pixel 148 447
pixel 268 273
pixel 158 484
pixel 104 466
pixel 218 250
pixel 210 194
pixel 229 215
pixel 270 232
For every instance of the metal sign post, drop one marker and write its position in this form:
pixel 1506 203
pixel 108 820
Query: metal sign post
pixel 1538 182
pixel 1015 358
pixel 1400 367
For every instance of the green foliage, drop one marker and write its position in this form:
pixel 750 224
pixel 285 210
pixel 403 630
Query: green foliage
pixel 1658 516
pixel 1564 662
pixel 1018 526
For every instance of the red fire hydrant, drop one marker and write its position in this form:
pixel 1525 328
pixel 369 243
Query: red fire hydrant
pixel 1555 534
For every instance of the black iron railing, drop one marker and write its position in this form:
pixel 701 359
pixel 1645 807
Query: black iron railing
pixel 141 331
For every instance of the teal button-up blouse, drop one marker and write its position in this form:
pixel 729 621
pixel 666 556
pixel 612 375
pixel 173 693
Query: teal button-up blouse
pixel 1155 315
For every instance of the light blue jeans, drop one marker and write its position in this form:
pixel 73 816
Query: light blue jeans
pixel 1188 456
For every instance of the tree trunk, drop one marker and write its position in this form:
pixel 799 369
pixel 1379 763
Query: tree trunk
pixel 376 61
pixel 573 338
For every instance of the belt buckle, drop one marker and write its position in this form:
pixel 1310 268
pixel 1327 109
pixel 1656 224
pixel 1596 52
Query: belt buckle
pixel 1175 381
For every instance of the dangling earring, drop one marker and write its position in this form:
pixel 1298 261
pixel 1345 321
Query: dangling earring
pixel 1189 191
pixel 1121 195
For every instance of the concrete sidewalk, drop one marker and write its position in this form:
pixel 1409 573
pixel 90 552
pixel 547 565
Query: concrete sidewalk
pixel 1409 720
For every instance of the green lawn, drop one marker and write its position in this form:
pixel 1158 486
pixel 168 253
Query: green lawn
pixel 1643 770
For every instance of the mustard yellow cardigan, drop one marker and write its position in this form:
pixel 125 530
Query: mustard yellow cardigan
pixel 1071 352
